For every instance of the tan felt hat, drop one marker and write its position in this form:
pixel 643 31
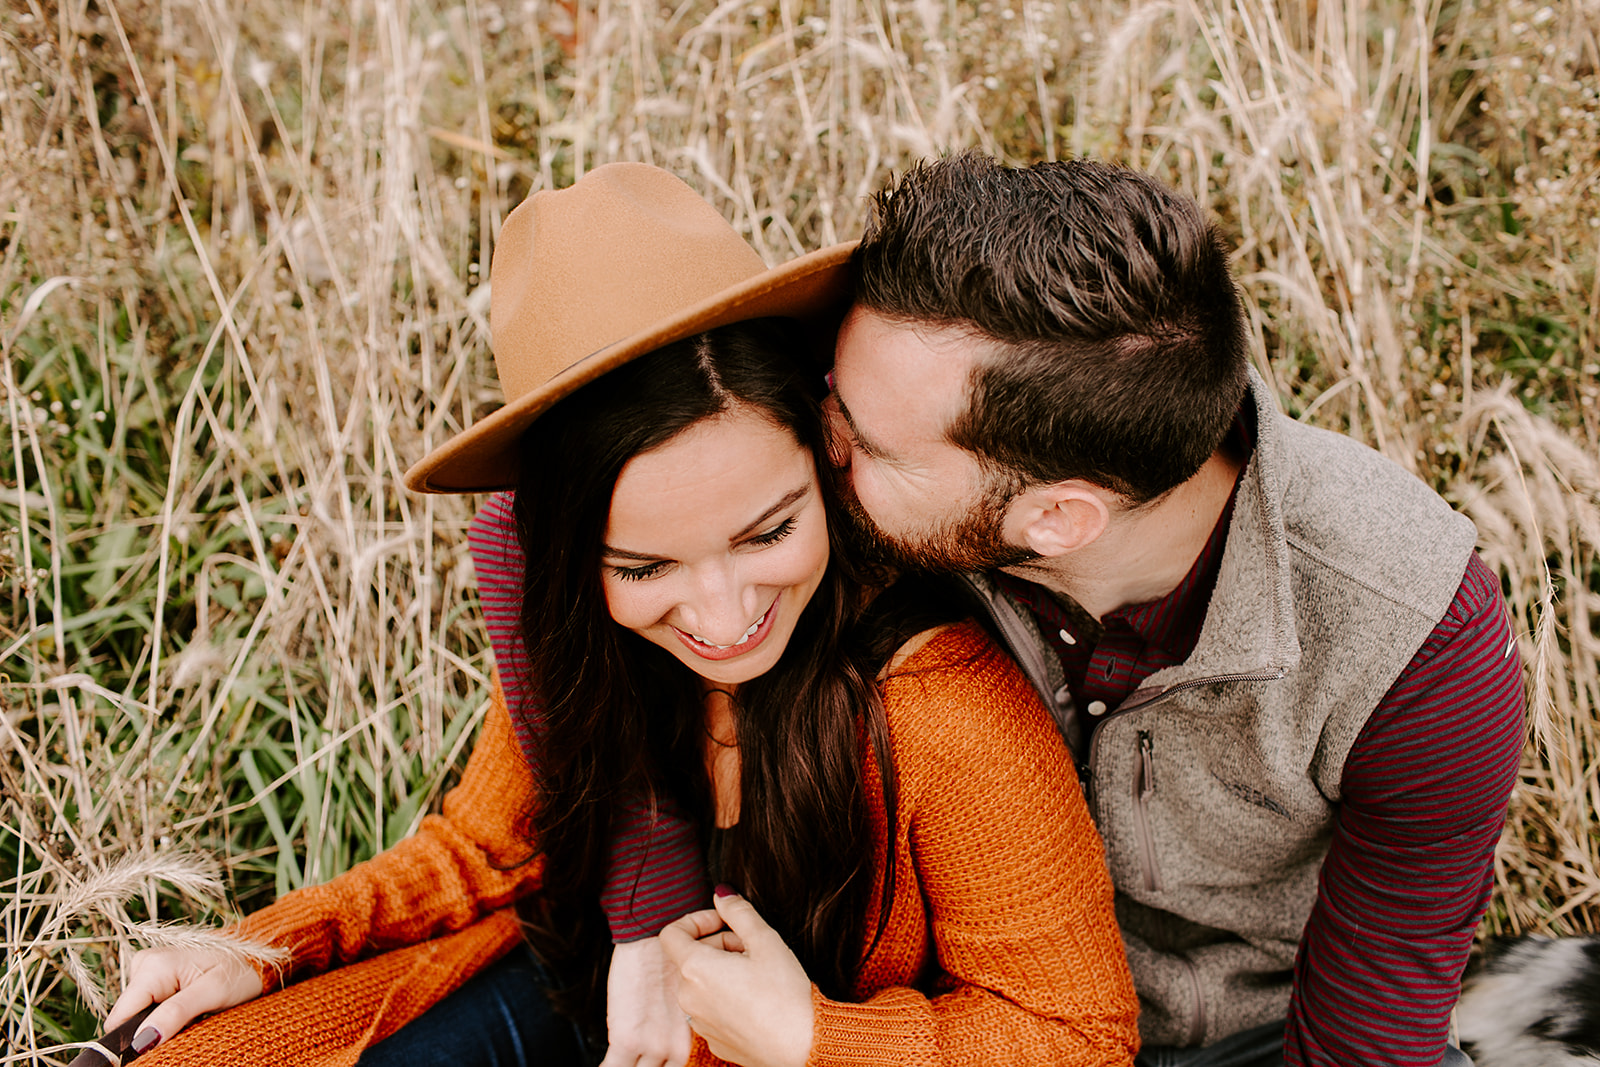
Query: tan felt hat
pixel 586 278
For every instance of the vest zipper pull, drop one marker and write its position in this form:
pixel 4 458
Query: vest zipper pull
pixel 1147 765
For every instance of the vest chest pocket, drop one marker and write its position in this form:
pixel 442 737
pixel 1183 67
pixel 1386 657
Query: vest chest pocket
pixel 1181 811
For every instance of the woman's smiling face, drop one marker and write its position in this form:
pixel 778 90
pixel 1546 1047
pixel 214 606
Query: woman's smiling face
pixel 715 543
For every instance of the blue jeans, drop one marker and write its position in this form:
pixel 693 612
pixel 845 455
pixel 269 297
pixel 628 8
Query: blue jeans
pixel 500 1017
pixel 1261 1046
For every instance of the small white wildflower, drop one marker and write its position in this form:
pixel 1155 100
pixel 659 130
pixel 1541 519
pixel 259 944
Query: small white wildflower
pixel 99 416
pixel 991 83
pixel 1543 15
pixel 56 407
pixel 817 25
pixel 77 404
pixel 461 183
pixel 259 71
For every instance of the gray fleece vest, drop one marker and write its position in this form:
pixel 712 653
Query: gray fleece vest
pixel 1216 783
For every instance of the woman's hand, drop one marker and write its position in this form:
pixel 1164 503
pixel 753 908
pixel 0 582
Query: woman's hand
pixel 742 988
pixel 188 983
pixel 644 1026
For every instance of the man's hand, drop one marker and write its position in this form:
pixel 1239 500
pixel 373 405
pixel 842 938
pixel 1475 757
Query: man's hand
pixel 742 988
pixel 188 983
pixel 644 1027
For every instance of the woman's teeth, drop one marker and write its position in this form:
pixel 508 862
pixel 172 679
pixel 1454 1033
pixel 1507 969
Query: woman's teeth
pixel 748 634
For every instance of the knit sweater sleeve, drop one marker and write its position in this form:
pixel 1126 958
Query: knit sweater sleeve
pixel 474 858
pixel 1027 963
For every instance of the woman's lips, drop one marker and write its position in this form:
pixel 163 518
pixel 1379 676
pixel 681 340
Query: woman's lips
pixel 753 637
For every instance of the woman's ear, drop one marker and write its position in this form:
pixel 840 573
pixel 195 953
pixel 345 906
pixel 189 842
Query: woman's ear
pixel 1058 519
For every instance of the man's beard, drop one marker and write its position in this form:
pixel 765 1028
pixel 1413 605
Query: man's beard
pixel 972 541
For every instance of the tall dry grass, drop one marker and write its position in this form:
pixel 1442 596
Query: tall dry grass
pixel 241 289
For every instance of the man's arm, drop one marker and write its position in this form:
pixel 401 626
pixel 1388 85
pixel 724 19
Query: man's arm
pixel 656 872
pixel 1409 871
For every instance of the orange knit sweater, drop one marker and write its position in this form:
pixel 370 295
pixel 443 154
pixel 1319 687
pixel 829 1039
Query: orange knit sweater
pixel 1001 947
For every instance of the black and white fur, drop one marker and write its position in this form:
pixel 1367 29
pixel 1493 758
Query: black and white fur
pixel 1536 1004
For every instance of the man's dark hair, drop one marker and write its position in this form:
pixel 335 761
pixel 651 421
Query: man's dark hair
pixel 1119 352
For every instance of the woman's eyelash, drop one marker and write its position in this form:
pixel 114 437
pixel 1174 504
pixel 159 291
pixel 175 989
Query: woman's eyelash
pixel 638 574
pixel 650 570
pixel 774 535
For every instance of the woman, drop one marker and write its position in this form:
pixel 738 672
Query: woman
pixel 920 881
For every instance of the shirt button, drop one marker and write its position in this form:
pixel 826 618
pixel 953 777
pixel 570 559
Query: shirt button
pixel 1096 707
pixel 1068 638
pixel 1063 695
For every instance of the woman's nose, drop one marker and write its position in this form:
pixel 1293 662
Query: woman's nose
pixel 722 606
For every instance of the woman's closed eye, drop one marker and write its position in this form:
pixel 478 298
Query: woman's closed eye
pixel 774 535
pixel 646 571
pixel 639 574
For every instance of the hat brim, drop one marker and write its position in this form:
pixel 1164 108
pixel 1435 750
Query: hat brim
pixel 482 458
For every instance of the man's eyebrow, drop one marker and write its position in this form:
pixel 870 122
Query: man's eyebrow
pixel 855 431
pixel 788 499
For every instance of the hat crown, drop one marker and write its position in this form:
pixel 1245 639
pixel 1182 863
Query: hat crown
pixel 577 270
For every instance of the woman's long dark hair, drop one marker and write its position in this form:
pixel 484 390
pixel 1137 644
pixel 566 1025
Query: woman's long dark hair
pixel 623 720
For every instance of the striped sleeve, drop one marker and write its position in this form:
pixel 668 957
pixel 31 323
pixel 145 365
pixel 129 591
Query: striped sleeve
pixel 1409 870
pixel 656 872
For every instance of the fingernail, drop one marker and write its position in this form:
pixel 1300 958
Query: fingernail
pixel 146 1039
pixel 723 889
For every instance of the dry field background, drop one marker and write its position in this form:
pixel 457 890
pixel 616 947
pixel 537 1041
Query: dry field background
pixel 241 290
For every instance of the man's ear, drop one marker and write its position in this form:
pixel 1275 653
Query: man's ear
pixel 1057 519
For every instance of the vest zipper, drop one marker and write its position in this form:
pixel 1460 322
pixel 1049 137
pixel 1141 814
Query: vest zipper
pixel 1144 784
pixel 1197 1027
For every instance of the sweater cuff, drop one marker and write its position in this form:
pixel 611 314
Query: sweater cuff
pixel 889 1029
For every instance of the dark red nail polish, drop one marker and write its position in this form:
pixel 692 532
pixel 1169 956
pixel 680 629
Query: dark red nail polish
pixel 723 889
pixel 146 1039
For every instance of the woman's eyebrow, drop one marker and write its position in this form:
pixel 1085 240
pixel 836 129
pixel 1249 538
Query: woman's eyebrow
pixel 788 498
pixel 606 551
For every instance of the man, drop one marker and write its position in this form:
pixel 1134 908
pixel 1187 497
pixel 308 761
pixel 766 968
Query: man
pixel 1288 680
